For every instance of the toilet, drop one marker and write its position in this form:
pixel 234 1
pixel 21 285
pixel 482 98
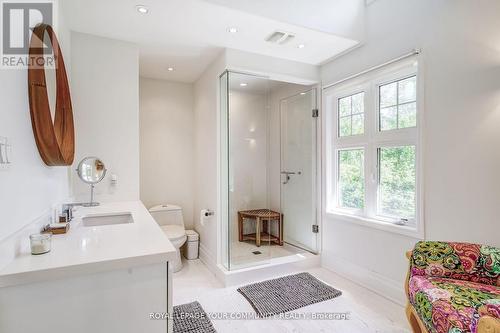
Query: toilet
pixel 171 221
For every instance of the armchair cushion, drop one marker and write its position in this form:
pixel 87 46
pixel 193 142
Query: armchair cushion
pixel 460 261
pixel 452 306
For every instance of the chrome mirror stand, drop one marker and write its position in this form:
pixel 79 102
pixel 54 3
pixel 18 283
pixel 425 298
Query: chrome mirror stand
pixel 91 203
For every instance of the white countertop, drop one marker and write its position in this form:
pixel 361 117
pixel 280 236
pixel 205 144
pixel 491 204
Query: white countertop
pixel 85 250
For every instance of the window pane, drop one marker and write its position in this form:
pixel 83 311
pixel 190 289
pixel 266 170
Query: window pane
pixel 351 115
pixel 397 181
pixel 407 115
pixel 398 107
pixel 388 118
pixel 388 95
pixel 358 103
pixel 358 124
pixel 345 126
pixel 345 106
pixel 351 185
pixel 407 90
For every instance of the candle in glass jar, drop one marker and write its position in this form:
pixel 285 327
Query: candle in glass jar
pixel 40 243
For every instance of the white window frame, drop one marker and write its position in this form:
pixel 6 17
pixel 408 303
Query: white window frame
pixel 370 141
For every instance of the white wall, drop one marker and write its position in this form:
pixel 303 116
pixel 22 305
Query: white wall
pixel 461 64
pixel 206 154
pixel 105 83
pixel 28 187
pixel 167 145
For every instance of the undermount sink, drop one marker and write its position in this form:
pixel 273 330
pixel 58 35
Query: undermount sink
pixel 93 220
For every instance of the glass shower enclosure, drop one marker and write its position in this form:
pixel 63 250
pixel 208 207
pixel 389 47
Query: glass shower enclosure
pixel 268 171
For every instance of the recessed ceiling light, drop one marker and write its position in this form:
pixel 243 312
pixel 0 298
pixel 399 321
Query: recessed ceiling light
pixel 170 69
pixel 142 9
pixel 301 46
pixel 243 84
pixel 302 93
pixel 233 30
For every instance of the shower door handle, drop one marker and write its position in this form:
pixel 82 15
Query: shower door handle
pixel 291 173
pixel 288 174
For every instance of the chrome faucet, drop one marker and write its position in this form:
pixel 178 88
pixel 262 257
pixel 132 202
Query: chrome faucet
pixel 67 209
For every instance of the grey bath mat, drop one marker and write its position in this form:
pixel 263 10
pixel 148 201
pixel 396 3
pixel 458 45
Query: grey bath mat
pixel 287 293
pixel 191 318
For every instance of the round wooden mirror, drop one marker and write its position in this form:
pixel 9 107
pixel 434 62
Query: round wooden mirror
pixel 53 129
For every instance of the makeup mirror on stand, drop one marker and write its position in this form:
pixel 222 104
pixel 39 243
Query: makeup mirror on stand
pixel 92 171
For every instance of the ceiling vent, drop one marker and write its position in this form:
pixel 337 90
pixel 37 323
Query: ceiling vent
pixel 280 37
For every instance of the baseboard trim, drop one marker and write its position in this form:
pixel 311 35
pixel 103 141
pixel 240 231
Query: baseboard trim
pixel 379 284
pixel 211 263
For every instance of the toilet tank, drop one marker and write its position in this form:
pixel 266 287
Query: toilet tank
pixel 167 215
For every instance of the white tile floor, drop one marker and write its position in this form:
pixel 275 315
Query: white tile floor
pixel 368 312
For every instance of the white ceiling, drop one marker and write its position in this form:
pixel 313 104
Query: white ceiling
pixel 340 17
pixel 189 34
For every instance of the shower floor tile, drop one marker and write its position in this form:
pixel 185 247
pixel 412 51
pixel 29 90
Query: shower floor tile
pixel 243 253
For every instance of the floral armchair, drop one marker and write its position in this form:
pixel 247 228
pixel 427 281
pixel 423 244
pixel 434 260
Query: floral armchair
pixel 453 288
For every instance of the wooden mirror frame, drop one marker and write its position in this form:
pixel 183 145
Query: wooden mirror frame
pixel 55 139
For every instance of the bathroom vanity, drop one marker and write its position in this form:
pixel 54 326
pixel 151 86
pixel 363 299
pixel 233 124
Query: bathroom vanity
pixel 109 273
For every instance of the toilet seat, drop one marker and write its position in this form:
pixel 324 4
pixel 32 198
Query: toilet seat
pixel 174 232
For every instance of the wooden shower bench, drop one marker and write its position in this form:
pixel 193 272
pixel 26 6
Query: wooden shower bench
pixel 266 216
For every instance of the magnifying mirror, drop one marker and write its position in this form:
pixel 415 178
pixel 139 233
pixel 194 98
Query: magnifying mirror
pixel 92 171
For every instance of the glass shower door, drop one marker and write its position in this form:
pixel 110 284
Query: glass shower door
pixel 247 149
pixel 224 168
pixel 298 169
